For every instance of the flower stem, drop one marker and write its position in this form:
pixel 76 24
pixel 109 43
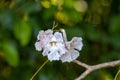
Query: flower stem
pixel 38 70
pixel 117 75
pixel 64 34
pixel 54 26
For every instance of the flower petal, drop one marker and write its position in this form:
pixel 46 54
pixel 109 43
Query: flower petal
pixel 61 48
pixel 76 43
pixel 40 35
pixel 58 36
pixel 38 46
pixel 74 54
pixel 49 32
pixel 53 56
pixel 66 57
pixel 45 51
pixel 69 56
pixel 44 34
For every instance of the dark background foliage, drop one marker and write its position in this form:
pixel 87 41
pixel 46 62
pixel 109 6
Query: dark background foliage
pixel 96 21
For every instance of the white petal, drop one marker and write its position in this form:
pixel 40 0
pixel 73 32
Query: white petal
pixel 69 56
pixel 53 39
pixel 47 48
pixel 58 36
pixel 74 54
pixel 53 56
pixel 67 44
pixel 40 34
pixel 61 48
pixel 45 51
pixel 66 57
pixel 77 43
pixel 38 46
pixel 49 32
pixel 44 34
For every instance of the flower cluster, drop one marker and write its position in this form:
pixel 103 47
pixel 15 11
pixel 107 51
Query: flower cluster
pixel 55 48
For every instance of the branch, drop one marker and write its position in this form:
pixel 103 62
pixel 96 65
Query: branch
pixel 81 64
pixel 90 69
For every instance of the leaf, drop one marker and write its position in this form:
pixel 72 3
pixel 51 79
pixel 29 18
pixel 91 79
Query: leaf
pixel 71 32
pixel 105 76
pixel 29 7
pixel 114 24
pixel 6 18
pixel 69 4
pixel 11 53
pixel 74 16
pixel 46 15
pixel 22 32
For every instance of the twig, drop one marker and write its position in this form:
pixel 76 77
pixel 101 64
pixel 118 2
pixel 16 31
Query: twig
pixel 81 64
pixel 38 70
pixel 117 75
pixel 90 69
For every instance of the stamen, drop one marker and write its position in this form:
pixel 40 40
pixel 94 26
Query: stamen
pixel 53 43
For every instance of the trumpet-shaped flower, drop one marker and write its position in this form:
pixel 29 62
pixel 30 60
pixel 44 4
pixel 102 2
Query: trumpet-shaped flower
pixel 56 47
pixel 73 47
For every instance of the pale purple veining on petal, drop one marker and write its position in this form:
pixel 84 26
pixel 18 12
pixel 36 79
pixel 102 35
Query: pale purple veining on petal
pixel 38 46
pixel 54 55
pixel 72 54
pixel 44 34
pixel 77 43
pixel 58 36
pixel 48 36
pixel 61 48
pixel 40 35
pixel 43 39
pixel 45 51
pixel 49 32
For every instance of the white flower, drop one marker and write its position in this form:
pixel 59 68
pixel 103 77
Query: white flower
pixel 55 48
pixel 73 47
pixel 43 38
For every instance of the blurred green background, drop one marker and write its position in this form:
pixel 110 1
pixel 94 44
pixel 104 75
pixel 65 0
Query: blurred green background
pixel 96 21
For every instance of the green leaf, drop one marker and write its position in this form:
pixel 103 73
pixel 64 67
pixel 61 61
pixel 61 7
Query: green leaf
pixel 29 7
pixel 74 16
pixel 115 24
pixel 11 53
pixel 49 15
pixel 71 32
pixel 22 32
pixel 69 4
pixel 105 76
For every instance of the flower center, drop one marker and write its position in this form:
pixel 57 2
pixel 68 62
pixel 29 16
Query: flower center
pixel 53 43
